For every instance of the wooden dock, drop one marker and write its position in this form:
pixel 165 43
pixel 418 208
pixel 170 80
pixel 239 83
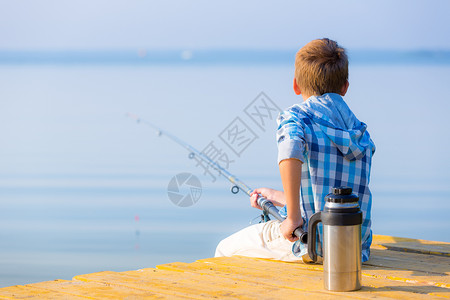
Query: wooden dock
pixel 399 268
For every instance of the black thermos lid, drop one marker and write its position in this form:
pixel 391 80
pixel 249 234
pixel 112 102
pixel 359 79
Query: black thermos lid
pixel 341 194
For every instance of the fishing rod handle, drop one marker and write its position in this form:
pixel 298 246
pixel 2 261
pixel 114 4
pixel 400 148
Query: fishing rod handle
pixel 301 234
pixel 269 208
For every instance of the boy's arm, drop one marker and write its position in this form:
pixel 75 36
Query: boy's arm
pixel 290 171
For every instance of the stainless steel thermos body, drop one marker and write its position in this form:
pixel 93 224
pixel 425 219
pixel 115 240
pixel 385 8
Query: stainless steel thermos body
pixel 341 219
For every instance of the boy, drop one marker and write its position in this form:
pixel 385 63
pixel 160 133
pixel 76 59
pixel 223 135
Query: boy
pixel 321 145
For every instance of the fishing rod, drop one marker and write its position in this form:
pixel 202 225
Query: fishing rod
pixel 266 205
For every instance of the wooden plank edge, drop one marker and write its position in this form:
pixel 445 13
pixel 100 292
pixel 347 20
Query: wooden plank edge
pixel 411 245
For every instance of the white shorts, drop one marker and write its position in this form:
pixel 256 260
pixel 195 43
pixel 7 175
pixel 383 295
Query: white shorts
pixel 262 240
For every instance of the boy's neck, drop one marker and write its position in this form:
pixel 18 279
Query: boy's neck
pixel 298 90
pixel 305 97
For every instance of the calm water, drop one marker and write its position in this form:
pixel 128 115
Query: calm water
pixel 84 189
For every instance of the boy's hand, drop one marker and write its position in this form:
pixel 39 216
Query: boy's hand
pixel 276 197
pixel 287 228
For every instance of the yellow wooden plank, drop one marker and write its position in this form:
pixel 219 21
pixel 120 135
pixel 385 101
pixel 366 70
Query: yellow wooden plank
pixel 124 280
pixel 434 287
pixel 410 261
pixel 411 245
pixel 95 290
pixel 227 278
pixel 31 292
pixel 408 267
pixel 197 285
pixel 282 275
pixel 412 267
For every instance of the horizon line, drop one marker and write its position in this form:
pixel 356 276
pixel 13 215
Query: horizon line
pixel 211 56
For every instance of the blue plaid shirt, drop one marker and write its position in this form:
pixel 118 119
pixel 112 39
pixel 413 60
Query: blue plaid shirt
pixel 336 150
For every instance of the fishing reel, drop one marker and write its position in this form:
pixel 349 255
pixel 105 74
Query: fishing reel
pixel 263 218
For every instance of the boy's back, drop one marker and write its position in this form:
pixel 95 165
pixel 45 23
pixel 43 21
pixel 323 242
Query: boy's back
pixel 321 145
pixel 336 150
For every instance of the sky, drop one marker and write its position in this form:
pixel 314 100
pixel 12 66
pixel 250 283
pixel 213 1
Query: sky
pixel 204 24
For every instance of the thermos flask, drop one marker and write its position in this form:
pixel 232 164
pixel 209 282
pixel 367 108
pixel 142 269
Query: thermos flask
pixel 341 219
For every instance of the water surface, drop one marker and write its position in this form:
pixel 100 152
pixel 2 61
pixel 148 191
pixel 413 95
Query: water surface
pixel 84 189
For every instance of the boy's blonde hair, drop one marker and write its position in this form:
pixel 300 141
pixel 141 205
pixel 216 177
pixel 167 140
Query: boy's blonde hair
pixel 321 66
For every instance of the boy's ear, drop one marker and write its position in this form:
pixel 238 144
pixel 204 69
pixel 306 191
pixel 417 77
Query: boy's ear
pixel 296 88
pixel 344 89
